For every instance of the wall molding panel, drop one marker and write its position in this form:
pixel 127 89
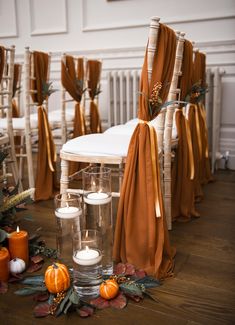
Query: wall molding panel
pixel 42 22
pixel 138 24
pixel 8 19
pixel 88 27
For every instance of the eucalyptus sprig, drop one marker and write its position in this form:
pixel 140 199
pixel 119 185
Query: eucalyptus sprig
pixel 47 89
pixel 79 88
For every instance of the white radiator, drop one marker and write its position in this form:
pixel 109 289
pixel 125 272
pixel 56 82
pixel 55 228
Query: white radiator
pixel 123 94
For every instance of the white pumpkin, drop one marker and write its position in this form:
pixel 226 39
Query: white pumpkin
pixel 17 265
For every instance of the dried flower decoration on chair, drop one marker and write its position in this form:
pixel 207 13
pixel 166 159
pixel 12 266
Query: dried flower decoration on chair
pixel 155 100
pixel 197 93
pixel 155 103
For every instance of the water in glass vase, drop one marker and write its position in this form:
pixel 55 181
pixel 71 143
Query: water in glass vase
pixel 87 272
pixel 67 223
pixel 98 215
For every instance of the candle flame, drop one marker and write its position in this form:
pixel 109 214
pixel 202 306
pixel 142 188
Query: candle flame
pixel 87 248
pixel 18 229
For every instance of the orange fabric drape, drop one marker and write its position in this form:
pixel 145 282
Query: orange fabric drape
pixel 203 174
pixel 2 61
pixel 183 167
pixel 93 76
pixel 205 167
pixel 72 80
pixel 46 164
pixel 194 121
pixel 15 108
pixel 141 235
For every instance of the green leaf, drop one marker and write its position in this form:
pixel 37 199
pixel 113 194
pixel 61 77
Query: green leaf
pixel 36 280
pixel 37 288
pixel 148 282
pixel 64 302
pixel 25 291
pixel 3 235
pixel 74 298
pixel 131 288
pixel 69 304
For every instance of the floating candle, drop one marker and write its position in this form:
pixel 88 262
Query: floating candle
pixel 4 264
pixel 87 257
pixel 68 212
pixel 97 198
pixel 18 245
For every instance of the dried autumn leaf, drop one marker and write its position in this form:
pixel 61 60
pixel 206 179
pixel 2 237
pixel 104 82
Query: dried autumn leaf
pixel 44 296
pixel 8 229
pixel 130 269
pixel 37 259
pixel 134 298
pixel 99 303
pixel 119 268
pixel 41 310
pixel 140 274
pixel 85 311
pixel 3 287
pixel 119 302
pixel 34 267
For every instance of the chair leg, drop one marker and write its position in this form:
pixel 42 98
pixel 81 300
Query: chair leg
pixel 15 169
pixel 64 179
pixel 21 157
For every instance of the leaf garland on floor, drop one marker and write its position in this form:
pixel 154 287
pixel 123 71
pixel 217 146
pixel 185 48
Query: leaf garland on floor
pixel 133 284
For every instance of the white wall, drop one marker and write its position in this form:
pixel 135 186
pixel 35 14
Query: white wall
pixel 117 31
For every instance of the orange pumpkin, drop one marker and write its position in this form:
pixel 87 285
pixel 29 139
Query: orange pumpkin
pixel 109 289
pixel 57 278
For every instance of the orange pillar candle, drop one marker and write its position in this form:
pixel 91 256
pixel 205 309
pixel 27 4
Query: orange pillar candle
pixel 4 264
pixel 19 245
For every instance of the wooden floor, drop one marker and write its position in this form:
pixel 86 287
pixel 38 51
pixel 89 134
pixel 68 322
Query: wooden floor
pixel 202 290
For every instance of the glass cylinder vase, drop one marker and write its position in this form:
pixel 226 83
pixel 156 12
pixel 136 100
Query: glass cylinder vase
pixel 87 259
pixel 97 210
pixel 68 213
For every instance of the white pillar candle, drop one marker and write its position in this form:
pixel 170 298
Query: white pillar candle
pixel 97 198
pixel 87 257
pixel 68 212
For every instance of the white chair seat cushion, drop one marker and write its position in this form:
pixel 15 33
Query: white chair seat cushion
pixel 99 144
pixel 121 129
pixel 133 121
pixel 129 128
pixel 18 123
pixel 55 116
